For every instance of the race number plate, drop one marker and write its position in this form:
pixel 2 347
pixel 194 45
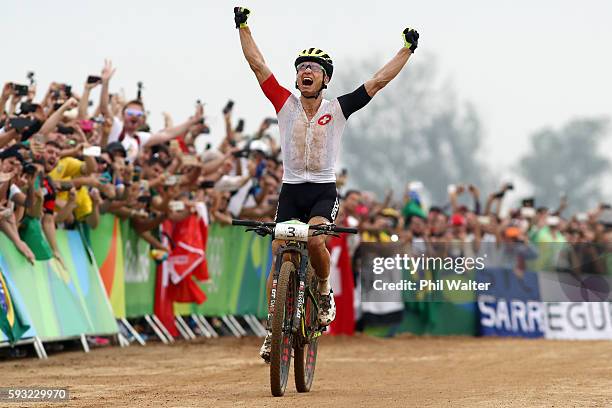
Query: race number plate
pixel 292 232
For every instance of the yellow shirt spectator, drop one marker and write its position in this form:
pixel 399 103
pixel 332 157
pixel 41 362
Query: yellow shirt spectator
pixel 67 169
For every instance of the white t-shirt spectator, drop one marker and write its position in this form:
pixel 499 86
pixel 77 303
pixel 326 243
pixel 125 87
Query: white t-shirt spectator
pixel 132 143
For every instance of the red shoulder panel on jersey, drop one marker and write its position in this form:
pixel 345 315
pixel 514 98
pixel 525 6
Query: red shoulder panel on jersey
pixel 277 94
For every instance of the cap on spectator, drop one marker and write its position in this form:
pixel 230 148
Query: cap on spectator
pixel 390 212
pixel 435 209
pixel 457 220
pixel 116 147
pixel 552 220
pixel 512 232
pixel 259 146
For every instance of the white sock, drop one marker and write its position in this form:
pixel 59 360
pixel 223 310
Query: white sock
pixel 324 287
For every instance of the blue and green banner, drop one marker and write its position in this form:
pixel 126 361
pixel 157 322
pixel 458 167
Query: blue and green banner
pixel 238 264
pixel 60 299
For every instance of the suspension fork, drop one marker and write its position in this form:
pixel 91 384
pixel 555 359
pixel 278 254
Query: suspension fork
pixel 300 283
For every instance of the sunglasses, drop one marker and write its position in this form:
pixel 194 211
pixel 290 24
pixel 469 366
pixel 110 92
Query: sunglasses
pixel 134 112
pixel 314 67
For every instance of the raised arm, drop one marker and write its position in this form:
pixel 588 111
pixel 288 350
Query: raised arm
pixel 393 67
pixel 166 135
pixel 107 74
pixel 55 118
pixel 249 48
pixel 84 102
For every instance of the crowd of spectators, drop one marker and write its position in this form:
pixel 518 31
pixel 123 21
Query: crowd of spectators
pixel 526 237
pixel 65 161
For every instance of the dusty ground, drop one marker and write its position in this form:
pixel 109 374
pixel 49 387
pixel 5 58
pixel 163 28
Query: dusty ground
pixel 351 372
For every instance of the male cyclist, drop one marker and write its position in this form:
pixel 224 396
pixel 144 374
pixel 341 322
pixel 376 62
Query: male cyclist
pixel 310 132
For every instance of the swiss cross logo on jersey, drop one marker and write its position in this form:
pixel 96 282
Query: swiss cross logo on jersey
pixel 325 119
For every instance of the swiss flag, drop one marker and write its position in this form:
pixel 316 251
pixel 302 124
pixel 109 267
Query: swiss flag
pixel 186 261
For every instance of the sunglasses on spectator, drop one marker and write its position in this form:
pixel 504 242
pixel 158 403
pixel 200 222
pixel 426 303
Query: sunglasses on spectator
pixel 134 112
pixel 314 67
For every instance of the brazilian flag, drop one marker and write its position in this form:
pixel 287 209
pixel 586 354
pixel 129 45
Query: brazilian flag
pixel 11 322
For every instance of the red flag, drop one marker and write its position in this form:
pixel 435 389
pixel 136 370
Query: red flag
pixel 163 302
pixel 342 282
pixel 186 261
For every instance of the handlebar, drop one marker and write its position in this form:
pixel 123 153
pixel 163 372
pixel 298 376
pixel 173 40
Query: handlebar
pixel 254 224
pixel 324 228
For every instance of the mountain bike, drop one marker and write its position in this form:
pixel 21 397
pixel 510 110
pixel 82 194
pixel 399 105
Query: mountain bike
pixel 294 302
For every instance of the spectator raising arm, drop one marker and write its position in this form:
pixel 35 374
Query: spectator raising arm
pixel 168 134
pixel 53 120
pixel 84 102
pixel 107 73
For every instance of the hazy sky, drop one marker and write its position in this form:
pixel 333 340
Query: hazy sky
pixel 523 64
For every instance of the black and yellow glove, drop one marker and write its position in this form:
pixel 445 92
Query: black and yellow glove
pixel 241 14
pixel 411 38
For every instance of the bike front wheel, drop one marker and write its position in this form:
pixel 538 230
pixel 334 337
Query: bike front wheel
pixel 282 317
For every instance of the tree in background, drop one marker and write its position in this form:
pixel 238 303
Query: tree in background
pixel 413 130
pixel 569 160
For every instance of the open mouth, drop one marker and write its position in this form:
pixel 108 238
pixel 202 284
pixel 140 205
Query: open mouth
pixel 306 81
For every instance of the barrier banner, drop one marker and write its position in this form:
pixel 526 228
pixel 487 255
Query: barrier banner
pixel 60 301
pixel 511 306
pixel 238 264
pixel 13 326
pixel 426 311
pixel 140 272
pixel 107 245
pixel 578 320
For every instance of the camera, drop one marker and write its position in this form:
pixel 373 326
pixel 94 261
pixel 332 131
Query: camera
pixel 228 107
pixel 244 153
pixel 240 126
pixel 93 79
pixel 20 123
pixel 65 130
pixel 27 107
pixel 207 184
pixel 271 121
pixel 20 90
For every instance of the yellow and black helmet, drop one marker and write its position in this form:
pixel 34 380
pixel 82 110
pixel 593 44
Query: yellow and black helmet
pixel 319 56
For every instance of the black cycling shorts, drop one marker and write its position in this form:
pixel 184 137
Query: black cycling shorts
pixel 307 200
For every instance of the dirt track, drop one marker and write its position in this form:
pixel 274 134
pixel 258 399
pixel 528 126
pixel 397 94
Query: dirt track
pixel 351 372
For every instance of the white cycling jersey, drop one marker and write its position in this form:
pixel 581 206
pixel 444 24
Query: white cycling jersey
pixel 310 149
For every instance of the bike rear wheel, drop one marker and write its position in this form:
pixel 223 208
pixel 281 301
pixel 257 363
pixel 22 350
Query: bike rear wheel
pixel 306 354
pixel 280 352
